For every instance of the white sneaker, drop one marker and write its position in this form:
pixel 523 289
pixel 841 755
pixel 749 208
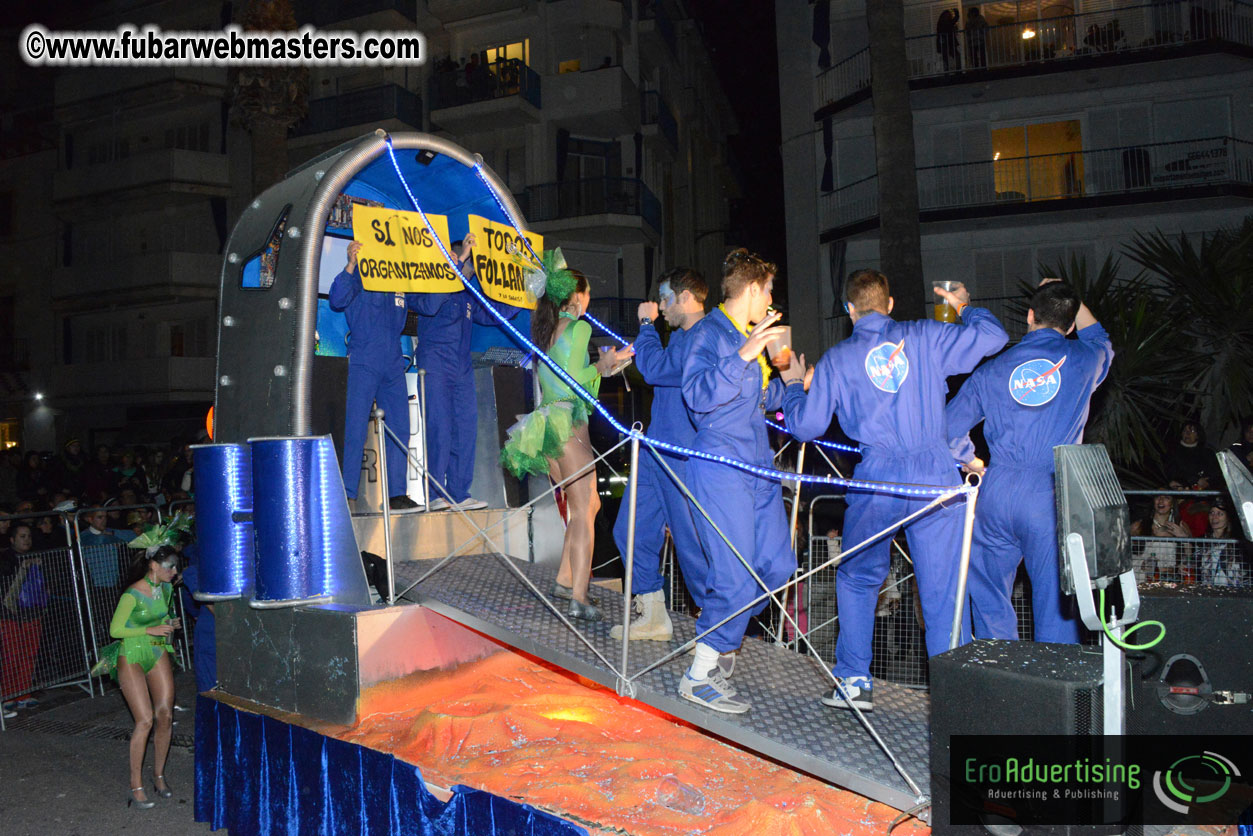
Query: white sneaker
pixel 438 504
pixel 712 692
pixel 471 504
pixel 851 692
pixel 653 623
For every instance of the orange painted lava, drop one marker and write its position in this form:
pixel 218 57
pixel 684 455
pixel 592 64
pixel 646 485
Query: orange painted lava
pixel 511 726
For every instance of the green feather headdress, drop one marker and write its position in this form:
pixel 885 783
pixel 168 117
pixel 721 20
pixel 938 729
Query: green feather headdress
pixel 551 278
pixel 156 536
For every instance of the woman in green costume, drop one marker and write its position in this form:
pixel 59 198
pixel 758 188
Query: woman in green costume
pixel 140 658
pixel 554 438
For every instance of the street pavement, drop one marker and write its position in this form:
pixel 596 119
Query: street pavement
pixel 63 768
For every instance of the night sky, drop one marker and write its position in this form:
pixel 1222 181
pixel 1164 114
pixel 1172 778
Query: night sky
pixel 741 37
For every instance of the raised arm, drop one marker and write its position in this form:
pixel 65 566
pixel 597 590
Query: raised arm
pixel 809 414
pixel 963 346
pixel 660 365
pixel 711 379
pixel 347 285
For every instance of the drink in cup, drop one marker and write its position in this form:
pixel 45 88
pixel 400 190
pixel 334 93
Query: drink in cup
pixel 944 312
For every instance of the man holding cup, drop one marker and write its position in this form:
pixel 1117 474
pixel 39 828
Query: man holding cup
pixel 1031 398
pixel 887 383
pixel 660 503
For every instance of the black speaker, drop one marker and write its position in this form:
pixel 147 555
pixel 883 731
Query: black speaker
pixel 1008 687
pixel 1199 678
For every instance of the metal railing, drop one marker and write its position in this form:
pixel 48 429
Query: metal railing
pixel 333 11
pixel 1123 30
pixel 484 82
pixel 618 312
pixel 1151 167
pixel 650 11
pixel 593 196
pixel 654 110
pixel 361 107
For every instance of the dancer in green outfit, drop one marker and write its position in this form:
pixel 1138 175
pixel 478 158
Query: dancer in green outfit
pixel 140 658
pixel 554 438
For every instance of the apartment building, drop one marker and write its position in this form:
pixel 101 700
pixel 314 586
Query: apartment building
pixel 1043 129
pixel 603 117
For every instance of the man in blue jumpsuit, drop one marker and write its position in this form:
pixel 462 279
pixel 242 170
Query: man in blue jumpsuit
pixel 726 387
pixel 660 503
pixel 376 374
pixel 887 383
pixel 1031 398
pixel 444 332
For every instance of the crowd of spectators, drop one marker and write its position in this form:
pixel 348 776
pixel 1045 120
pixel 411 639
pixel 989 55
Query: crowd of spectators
pixel 114 494
pixel 1194 539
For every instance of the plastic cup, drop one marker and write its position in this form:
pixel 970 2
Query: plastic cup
pixel 780 350
pixel 944 312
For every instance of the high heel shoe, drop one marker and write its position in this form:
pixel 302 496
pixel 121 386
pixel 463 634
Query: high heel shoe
pixel 565 593
pixel 164 793
pixel 143 805
pixel 586 612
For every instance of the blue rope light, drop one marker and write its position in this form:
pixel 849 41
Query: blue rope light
pixel 763 472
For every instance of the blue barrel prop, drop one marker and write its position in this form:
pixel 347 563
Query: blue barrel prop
pixel 306 552
pixel 224 520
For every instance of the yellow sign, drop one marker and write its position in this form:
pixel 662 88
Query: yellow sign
pixel 399 253
pixel 501 260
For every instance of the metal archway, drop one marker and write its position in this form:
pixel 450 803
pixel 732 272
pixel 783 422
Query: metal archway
pixel 266 334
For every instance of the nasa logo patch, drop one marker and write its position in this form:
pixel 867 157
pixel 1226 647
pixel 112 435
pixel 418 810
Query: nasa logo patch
pixel 1036 382
pixel 887 366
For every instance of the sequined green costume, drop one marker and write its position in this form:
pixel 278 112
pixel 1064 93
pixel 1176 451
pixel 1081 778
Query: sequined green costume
pixel 135 613
pixel 540 436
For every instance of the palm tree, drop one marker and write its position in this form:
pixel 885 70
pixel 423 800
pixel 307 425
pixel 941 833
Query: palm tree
pixel 269 100
pixel 1211 285
pixel 900 236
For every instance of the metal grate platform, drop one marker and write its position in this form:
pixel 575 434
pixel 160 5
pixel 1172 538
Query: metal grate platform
pixel 786 723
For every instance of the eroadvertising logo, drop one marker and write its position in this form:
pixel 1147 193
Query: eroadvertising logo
pixel 1172 787
pixel 1093 780
pixel 888 366
pixel 1036 382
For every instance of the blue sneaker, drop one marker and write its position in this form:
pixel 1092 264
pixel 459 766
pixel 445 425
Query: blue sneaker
pixel 851 692
pixel 712 692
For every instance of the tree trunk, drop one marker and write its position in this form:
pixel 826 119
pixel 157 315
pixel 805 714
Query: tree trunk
pixel 269 151
pixel 900 238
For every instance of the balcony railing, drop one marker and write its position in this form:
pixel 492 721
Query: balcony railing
pixel 333 11
pixel 1156 167
pixel 593 196
pixel 618 312
pixel 362 107
pixel 654 110
pixel 15 355
pixel 1125 29
pixel 485 82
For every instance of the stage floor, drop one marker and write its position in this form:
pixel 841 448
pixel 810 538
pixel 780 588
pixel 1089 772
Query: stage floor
pixel 787 723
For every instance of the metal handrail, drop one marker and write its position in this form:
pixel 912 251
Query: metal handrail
pixel 1112 31
pixel 1088 172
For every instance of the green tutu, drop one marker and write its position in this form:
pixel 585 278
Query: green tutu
pixel 138 650
pixel 541 436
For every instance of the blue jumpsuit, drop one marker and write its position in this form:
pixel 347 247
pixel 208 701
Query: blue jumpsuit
pixel 1033 397
pixel 887 383
pixel 376 373
pixel 444 331
pixel 659 501
pixel 725 397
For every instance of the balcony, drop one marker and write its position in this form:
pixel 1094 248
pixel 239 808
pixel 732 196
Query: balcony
pixel 169 172
pixel 15 355
pixel 145 279
pixel 151 379
pixel 659 42
pixel 91 89
pixel 389 106
pixel 605 14
pixel 1124 34
pixel 657 118
pixel 502 94
pixel 1142 173
pixel 597 102
pixel 378 15
pixel 605 210
pixel 619 313
pixel 455 11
